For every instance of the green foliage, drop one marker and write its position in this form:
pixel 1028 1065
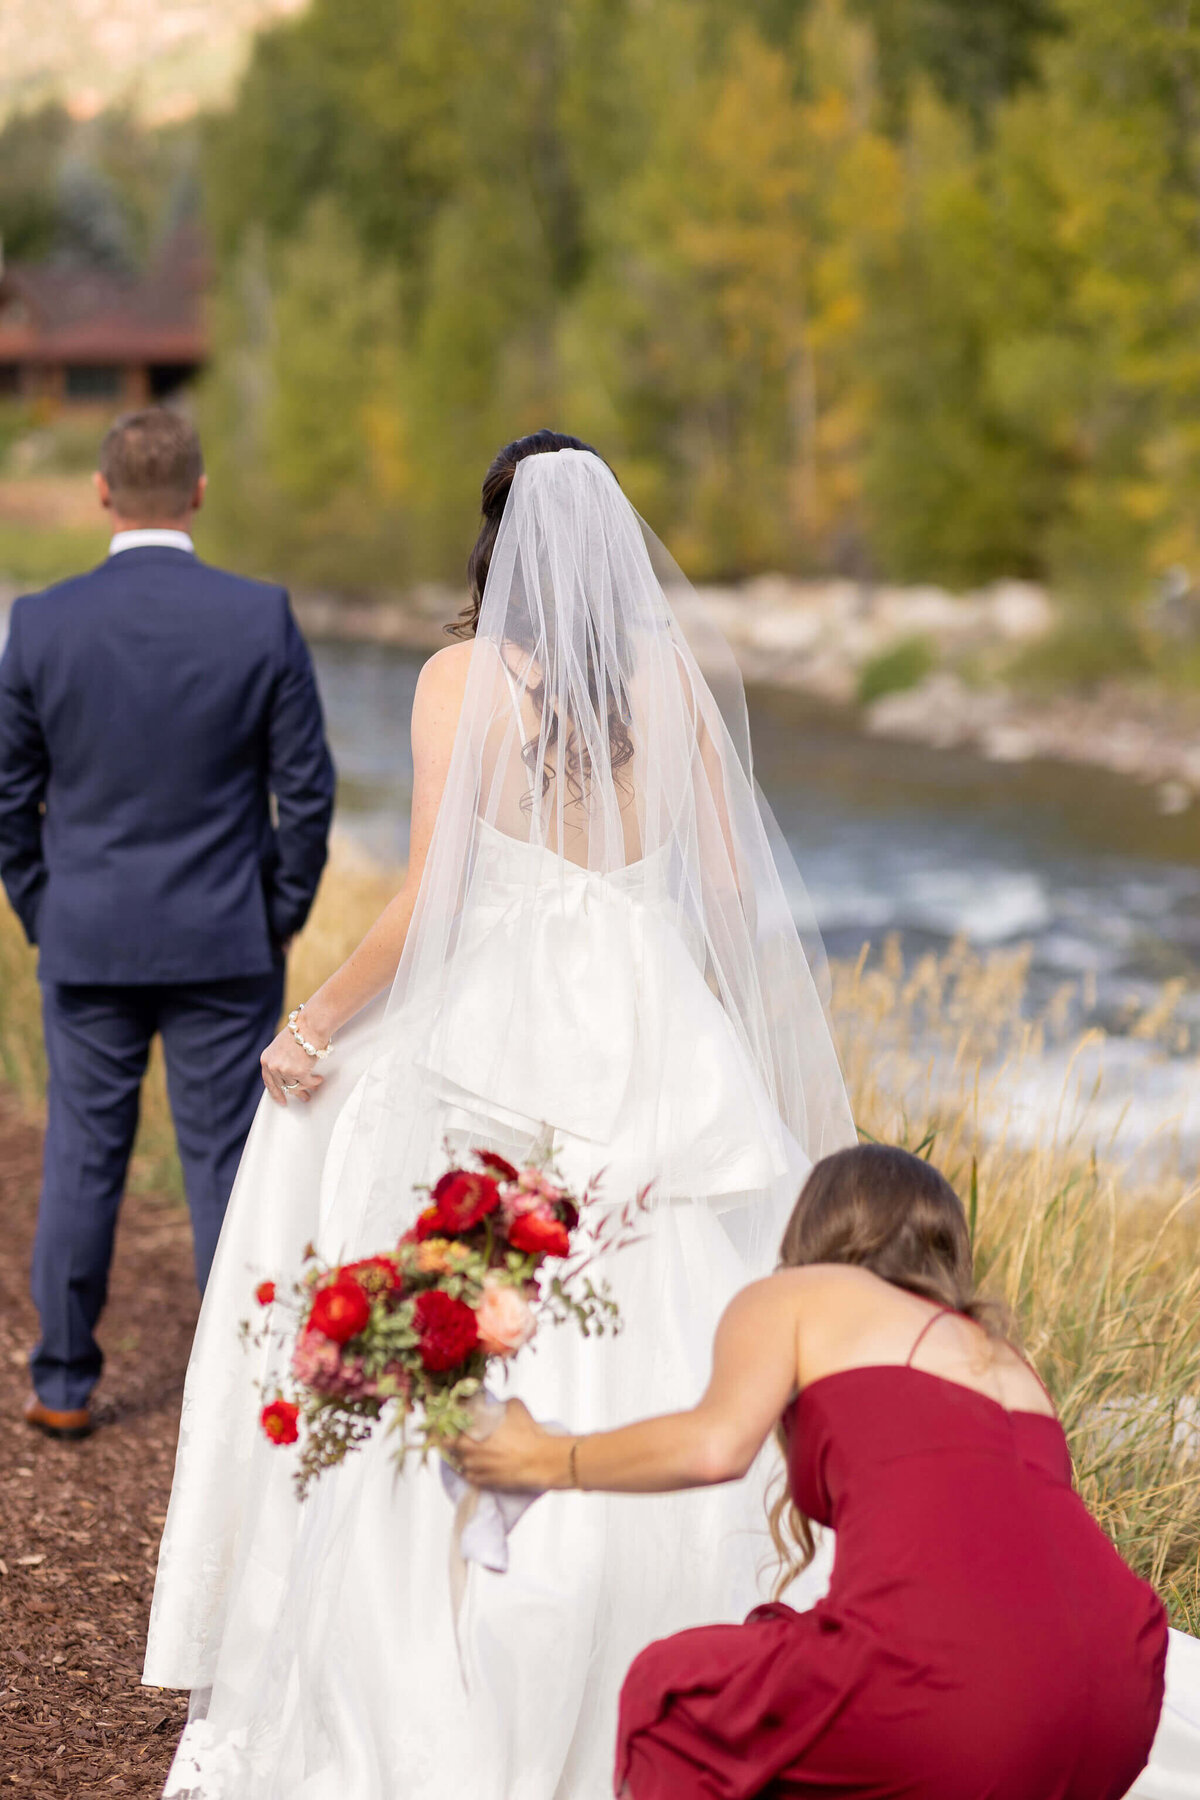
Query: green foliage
pixel 31 145
pixel 908 289
pixel 903 666
pixel 306 458
pixel 16 421
pixel 103 191
pixel 976 54
pixel 1092 645
pixel 32 556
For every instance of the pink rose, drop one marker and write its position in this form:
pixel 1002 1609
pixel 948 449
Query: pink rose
pixel 504 1319
pixel 317 1362
pixel 534 1182
pixel 519 1201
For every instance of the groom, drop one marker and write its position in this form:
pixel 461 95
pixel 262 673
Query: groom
pixel 165 798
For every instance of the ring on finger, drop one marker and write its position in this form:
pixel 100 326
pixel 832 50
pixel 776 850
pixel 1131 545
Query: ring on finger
pixel 289 1087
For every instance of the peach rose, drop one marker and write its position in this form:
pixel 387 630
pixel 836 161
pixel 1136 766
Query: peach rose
pixel 504 1319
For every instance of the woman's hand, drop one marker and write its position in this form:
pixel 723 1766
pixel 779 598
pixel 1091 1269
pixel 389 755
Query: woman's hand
pixel 517 1454
pixel 289 1073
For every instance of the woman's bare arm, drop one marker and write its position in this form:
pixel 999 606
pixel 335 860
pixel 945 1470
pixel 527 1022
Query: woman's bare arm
pixel 371 967
pixel 754 1374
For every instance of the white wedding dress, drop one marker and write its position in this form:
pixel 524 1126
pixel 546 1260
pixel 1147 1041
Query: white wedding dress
pixel 604 944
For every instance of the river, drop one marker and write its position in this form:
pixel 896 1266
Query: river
pixel 928 844
pixel 889 837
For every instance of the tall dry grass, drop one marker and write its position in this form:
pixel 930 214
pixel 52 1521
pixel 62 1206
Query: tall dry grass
pixel 1098 1259
pixel 351 895
pixel 1097 1254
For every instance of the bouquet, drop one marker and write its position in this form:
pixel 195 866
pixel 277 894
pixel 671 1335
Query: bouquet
pixel 411 1333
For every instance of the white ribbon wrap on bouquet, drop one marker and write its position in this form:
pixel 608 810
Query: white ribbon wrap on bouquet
pixel 484 1517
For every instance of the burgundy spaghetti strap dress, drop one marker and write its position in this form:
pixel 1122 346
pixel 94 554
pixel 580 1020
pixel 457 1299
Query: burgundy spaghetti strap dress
pixel 981 1638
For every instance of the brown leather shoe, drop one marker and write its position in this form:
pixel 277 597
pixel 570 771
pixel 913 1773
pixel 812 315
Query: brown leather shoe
pixel 75 1424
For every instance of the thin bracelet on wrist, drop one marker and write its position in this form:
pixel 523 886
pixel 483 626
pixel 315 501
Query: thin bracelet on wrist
pixel 573 1466
pixel 309 1049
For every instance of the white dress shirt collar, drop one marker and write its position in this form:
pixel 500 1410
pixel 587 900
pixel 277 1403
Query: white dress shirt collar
pixel 151 539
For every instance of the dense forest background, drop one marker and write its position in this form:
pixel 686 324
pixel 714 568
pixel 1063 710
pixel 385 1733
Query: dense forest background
pixel 899 288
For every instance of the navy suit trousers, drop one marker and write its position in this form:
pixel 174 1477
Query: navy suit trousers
pixel 97 1045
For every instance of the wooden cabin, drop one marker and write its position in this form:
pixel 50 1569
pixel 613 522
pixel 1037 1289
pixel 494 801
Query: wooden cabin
pixel 80 337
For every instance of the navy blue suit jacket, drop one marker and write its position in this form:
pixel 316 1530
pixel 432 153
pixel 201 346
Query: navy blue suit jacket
pixel 150 713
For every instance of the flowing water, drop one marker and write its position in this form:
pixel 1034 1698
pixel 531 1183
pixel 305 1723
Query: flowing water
pixel 888 837
pixel 928 844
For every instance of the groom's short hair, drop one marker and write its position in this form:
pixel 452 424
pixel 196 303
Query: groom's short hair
pixel 151 461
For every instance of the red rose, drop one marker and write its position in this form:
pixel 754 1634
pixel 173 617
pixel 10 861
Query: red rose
pixel 279 1421
pixel 539 1234
pixel 340 1309
pixel 428 1224
pixel 446 1329
pixel 499 1165
pixel 462 1200
pixel 377 1274
pixel 264 1293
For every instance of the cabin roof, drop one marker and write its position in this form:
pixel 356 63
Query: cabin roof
pixel 52 313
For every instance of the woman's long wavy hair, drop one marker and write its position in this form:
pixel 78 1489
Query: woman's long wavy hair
pixel 882 1209
pixel 496 485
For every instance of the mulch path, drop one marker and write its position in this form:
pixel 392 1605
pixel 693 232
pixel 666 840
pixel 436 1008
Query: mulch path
pixel 80 1523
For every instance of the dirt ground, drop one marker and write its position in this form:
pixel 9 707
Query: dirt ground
pixel 80 1523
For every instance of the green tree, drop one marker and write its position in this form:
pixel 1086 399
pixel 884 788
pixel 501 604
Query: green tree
pixel 957 487
pixel 909 287
pixel 310 469
pixel 713 339
pixel 975 53
pixel 31 147
pixel 102 191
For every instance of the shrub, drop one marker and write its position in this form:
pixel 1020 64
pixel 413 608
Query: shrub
pixel 903 665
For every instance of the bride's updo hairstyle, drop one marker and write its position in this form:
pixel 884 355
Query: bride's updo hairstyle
pixel 605 697
pixel 496 484
pixel 886 1210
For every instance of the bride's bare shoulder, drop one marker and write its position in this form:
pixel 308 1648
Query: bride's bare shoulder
pixel 446 669
pixel 438 701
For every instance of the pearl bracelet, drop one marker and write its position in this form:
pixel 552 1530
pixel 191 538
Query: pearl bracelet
pixel 309 1049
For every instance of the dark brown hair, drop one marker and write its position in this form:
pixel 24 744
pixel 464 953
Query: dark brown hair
pixel 152 462
pixel 496 486
pixel 886 1210
pixel 880 1208
pixel 494 497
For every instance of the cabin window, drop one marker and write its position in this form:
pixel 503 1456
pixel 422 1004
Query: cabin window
pixel 91 381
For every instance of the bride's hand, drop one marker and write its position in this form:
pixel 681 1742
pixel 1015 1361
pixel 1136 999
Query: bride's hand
pixel 511 1456
pixel 289 1073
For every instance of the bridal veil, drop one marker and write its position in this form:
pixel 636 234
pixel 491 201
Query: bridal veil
pixel 604 948
pixel 600 821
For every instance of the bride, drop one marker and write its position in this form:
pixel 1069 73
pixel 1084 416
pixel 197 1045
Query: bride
pixel 596 935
